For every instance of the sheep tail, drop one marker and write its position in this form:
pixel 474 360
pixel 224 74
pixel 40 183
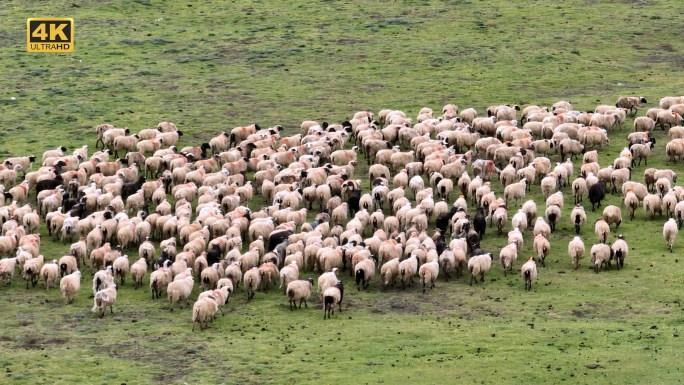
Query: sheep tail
pixel 290 293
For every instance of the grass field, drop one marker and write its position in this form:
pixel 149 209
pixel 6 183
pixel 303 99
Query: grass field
pixel 209 66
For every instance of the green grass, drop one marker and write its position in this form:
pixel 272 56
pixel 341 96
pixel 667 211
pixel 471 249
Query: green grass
pixel 210 66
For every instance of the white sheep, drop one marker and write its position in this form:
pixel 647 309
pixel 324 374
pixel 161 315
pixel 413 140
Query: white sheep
pixel 121 267
pixel 576 251
pixel 138 271
pixel 670 231
pixel 407 269
pixel 479 265
pixel 32 269
pixel 601 254
pixel 507 256
pixel 528 271
pixel 333 296
pixel 69 285
pixel 50 272
pixel 299 290
pixel 428 273
pixel 620 251
pixel 103 298
pixel 7 266
pixel 389 273
pixel 178 291
pixel 542 247
pixel 252 280
pixel 364 271
pixel 541 227
pixel 203 310
pixel 612 215
pixel 288 274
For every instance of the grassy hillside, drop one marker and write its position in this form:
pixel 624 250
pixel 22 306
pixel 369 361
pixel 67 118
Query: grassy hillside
pixel 210 66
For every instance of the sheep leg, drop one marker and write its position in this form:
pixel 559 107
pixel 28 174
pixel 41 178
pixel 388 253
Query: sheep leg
pixel 482 280
pixel 305 305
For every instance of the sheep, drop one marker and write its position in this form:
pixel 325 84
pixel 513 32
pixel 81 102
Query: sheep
pixel 553 216
pixel 331 297
pixel 671 118
pixel 203 310
pixel 103 298
pixel 541 227
pixel 69 285
pixel 299 290
pixel 479 265
pixel 570 147
pixel 7 269
pixel 641 151
pixel 178 291
pixel 103 279
pixel 428 272
pixel 49 272
pixel 662 186
pixel 528 271
pixel 515 191
pixel 364 271
pixel 138 271
pixel 601 254
pixel 120 267
pixel 602 230
pixel 576 251
pixel 407 269
pixel 548 185
pixel 670 230
pixel 652 204
pixel 507 256
pixel 252 280
pixel 32 270
pixel 597 192
pixel 289 273
pixel 67 265
pixel 209 277
pixel 644 124
pixel 620 251
pixel 630 102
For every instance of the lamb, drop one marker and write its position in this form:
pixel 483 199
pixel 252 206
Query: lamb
pixel 103 298
pixel 331 297
pixel 299 290
pixel 364 271
pixel 479 265
pixel 601 254
pixel 138 271
pixel 69 285
pixel 428 272
pixel 528 271
pixel 180 290
pixel 507 256
pixel 252 280
pixel 103 279
pixel 620 251
pixel 50 272
pixel 670 230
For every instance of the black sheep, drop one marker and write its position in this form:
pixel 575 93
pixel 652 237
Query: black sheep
pixel 440 245
pixel 78 210
pixel 353 201
pixel 277 238
pixel 214 255
pixel 131 188
pixel 473 239
pixel 443 220
pixel 48 184
pixel 597 192
pixel 160 262
pixel 480 222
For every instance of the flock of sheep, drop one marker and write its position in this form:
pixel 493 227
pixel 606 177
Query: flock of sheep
pixel 104 201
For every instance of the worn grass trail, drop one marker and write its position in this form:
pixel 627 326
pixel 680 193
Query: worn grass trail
pixel 210 66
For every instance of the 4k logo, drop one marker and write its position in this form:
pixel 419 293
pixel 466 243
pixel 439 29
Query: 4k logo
pixel 50 35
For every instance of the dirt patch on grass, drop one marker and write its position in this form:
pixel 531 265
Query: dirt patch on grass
pixel 38 343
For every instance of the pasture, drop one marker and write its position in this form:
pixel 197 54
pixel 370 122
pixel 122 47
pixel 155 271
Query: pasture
pixel 210 66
